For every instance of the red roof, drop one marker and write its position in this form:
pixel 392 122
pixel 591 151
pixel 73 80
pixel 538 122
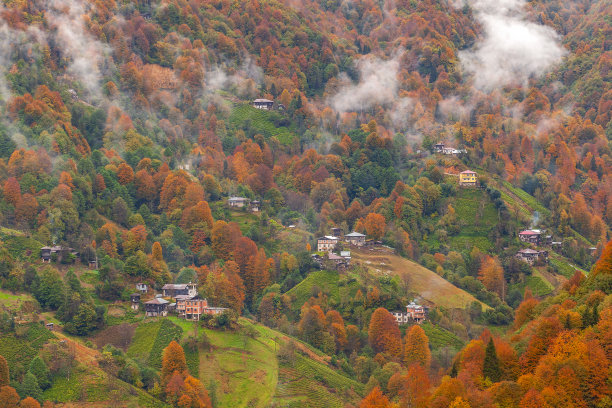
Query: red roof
pixel 529 232
pixel 468 172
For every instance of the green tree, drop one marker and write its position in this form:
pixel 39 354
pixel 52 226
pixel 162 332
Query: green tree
pixel 83 322
pixel 490 368
pixel 30 387
pixel 50 290
pixel 41 372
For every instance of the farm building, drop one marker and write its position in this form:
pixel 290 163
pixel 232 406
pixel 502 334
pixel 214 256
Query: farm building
pixel 56 253
pixel 237 202
pixel 530 236
pixel 174 289
pixel 135 301
pixel 532 256
pixel 156 307
pixel 264 104
pixel 355 238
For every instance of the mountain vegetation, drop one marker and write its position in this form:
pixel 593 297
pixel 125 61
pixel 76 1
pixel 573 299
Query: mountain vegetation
pixel 214 142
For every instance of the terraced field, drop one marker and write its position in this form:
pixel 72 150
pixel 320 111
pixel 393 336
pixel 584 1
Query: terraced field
pixel 307 383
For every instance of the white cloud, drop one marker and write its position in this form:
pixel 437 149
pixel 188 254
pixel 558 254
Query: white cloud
pixel 377 84
pixel 512 50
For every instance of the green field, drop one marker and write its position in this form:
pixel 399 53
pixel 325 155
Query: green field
pixel 150 339
pixel 439 337
pixel 304 382
pixel 478 216
pixel 527 199
pixel 538 284
pixel 262 122
pixel 326 281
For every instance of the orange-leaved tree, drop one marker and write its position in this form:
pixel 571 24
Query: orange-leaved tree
pixel 384 334
pixel 604 263
pixel 375 225
pixel 173 360
pixel 375 399
pixel 491 274
pixel 416 347
pixel 4 372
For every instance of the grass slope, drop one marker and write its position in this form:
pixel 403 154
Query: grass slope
pixel 326 281
pixel 304 382
pixel 428 284
pixel 264 122
pixel 479 216
pixel 242 369
pixel 439 337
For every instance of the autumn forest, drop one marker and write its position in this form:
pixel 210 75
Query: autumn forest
pixel 315 203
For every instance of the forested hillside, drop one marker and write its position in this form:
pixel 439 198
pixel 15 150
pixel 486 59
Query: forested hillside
pixel 219 143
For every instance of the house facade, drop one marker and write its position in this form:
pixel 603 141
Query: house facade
pixel 142 287
pixel 237 202
pixel 468 178
pixel 414 313
pixel 156 307
pixel 530 236
pixel 56 253
pixel 135 301
pixel 175 289
pixel 531 256
pixel 264 104
pixel 194 308
pixel 326 243
pixel 355 238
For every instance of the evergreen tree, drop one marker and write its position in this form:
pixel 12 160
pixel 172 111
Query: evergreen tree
pixel 41 372
pixel 594 315
pixel 491 369
pixel 4 372
pixel 30 387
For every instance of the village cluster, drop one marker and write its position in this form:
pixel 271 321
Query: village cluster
pixel 415 313
pixel 187 303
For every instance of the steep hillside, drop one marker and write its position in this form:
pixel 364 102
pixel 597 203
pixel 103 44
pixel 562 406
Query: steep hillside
pixel 418 280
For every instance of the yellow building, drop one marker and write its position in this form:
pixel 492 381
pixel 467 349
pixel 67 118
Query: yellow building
pixel 468 178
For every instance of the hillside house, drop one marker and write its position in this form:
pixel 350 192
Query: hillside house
pixel 414 313
pixel 355 238
pixel 530 236
pixel 174 289
pixel 264 104
pixel 451 151
pixel 468 178
pixel 142 287
pixel 531 256
pixel 135 301
pixel 254 206
pixel 438 148
pixel 194 308
pixel 237 202
pixel 338 262
pixel 326 243
pixel 56 253
pixel 156 307
pixel 337 232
